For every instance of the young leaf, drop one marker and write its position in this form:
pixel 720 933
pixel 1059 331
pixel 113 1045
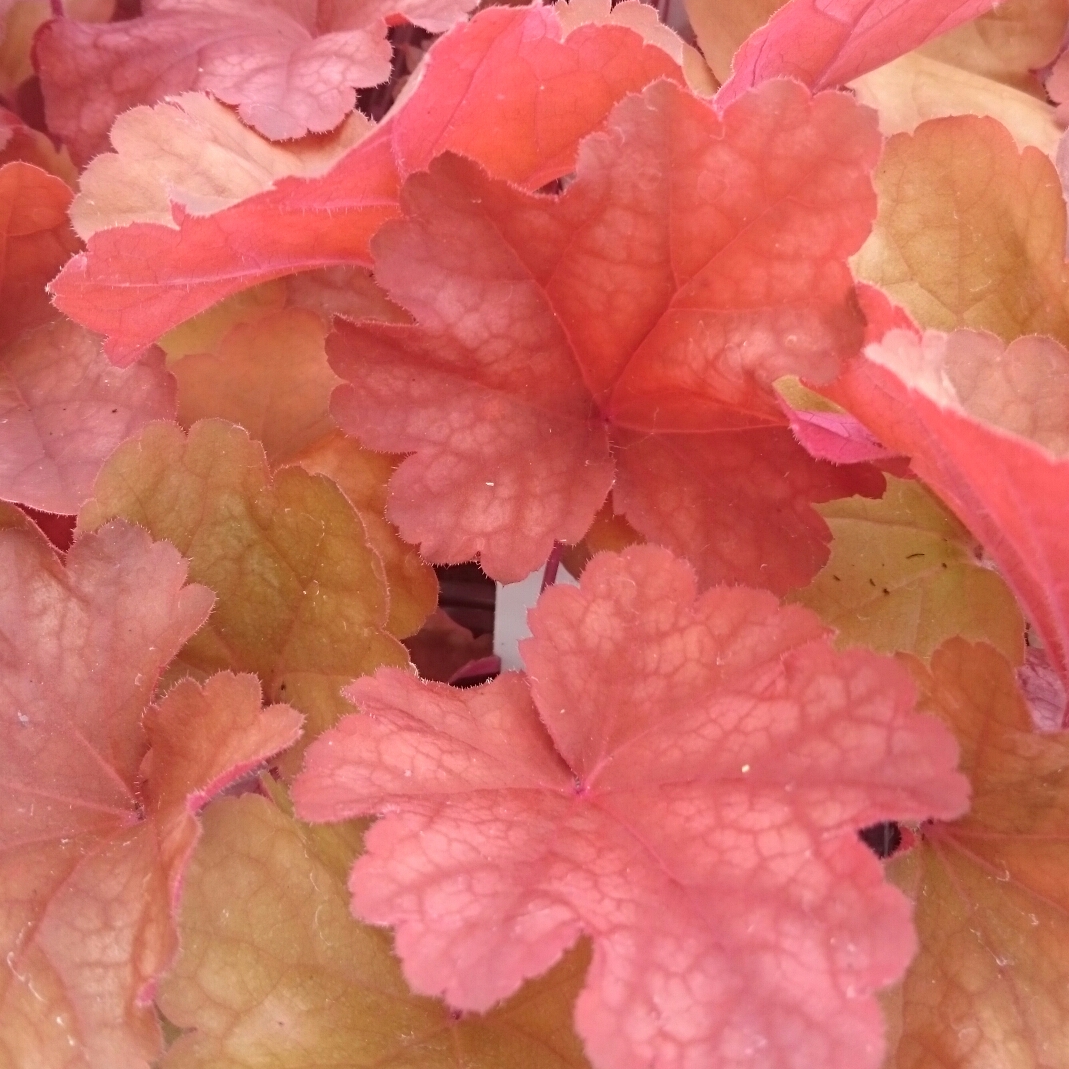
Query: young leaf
pixel 651 306
pixel 275 972
pixel 64 407
pixel 35 241
pixel 301 597
pixel 827 43
pixel 681 779
pixel 100 805
pixel 137 282
pixel 905 575
pixel 290 68
pixel 987 428
pixel 971 231
pixel 990 984
pixel 835 436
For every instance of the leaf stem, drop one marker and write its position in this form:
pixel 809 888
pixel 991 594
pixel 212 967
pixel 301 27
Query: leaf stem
pixel 549 576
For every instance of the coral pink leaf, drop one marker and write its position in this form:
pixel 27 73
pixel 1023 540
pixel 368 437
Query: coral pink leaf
pixel 827 43
pixel 136 282
pixel 652 305
pixel 680 778
pixel 290 67
pixel 986 428
pixel 98 818
pixel 64 408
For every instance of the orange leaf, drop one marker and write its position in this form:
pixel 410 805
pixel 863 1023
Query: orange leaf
pixel 35 241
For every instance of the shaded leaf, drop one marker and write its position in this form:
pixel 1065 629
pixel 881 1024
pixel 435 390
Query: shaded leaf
pixel 442 647
pixel 301 596
pixel 64 407
pixel 363 476
pixel 18 142
pixel 609 531
pixel 35 241
pixel 348 291
pixel 275 973
pixel 20 20
pixel 270 376
pixel 1009 44
pixel 721 28
pixel 667 751
pixel 651 305
pixel 990 984
pixel 905 575
pixel 137 282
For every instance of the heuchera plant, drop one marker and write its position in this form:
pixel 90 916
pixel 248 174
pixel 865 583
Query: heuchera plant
pixel 310 311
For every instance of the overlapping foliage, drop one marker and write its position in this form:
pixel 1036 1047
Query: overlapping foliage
pixel 550 291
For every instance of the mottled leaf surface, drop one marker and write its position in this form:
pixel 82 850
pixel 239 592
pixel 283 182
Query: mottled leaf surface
pixel 64 407
pixel 680 778
pixel 630 329
pixel 269 375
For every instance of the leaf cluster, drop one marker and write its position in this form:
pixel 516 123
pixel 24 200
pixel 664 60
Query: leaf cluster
pixel 318 320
